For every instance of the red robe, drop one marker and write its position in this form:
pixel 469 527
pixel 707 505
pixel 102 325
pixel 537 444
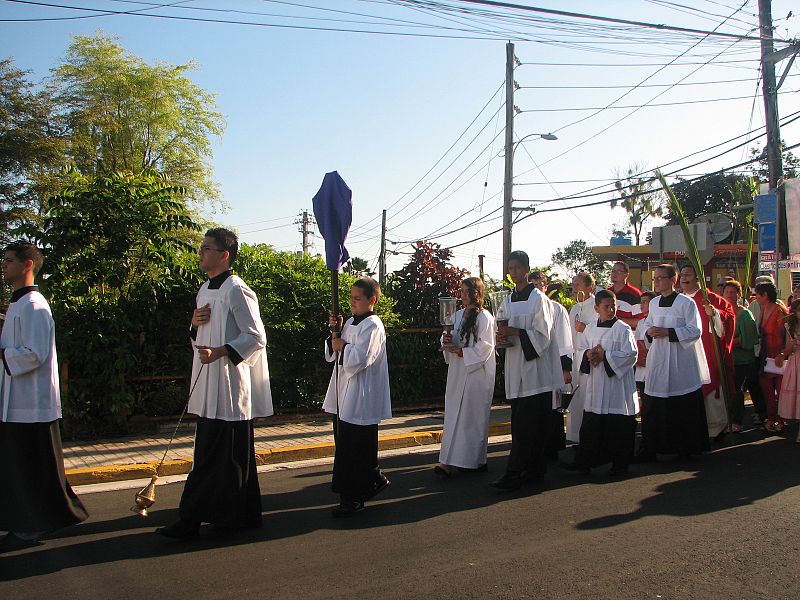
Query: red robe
pixel 728 317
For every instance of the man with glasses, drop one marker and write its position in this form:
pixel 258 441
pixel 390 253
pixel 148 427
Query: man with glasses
pixel 673 414
pixel 629 308
pixel 232 389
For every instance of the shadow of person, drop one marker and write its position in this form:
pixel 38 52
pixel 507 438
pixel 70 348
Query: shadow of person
pixel 730 477
pixel 295 505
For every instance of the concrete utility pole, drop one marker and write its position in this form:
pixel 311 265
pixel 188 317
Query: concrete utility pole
pixel 508 180
pixel 382 259
pixel 480 264
pixel 305 229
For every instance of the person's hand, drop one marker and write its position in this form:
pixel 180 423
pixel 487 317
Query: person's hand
pixel 447 339
pixel 201 316
pixel 567 377
pixel 779 361
pixel 335 322
pixel 337 343
pixel 658 332
pixel 710 310
pixel 580 326
pixel 453 350
pixel 507 332
pixel 208 355
pixel 598 354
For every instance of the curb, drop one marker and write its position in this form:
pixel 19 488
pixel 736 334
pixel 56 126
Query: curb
pixel 274 456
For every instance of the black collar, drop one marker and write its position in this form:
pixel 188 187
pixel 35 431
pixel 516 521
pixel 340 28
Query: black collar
pixel 606 324
pixel 523 294
pixel 216 282
pixel 22 291
pixel 358 318
pixel 667 301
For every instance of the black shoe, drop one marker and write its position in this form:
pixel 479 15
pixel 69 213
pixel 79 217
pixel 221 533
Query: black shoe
pixel 380 485
pixel 481 469
pixel 11 542
pixel 508 482
pixel 617 471
pixel 574 468
pixel 645 457
pixel 442 472
pixel 348 508
pixel 180 530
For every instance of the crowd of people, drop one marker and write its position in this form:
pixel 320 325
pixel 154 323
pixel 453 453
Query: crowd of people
pixel 678 357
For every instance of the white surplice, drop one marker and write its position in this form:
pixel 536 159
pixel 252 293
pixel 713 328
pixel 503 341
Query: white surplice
pixel 29 378
pixel 674 368
pixel 468 396
pixel 226 391
pixel 585 313
pixel 363 376
pixel 542 374
pixel 604 395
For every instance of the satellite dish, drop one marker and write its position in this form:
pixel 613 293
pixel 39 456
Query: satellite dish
pixel 720 227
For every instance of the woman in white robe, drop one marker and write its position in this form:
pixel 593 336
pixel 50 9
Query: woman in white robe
pixel 471 367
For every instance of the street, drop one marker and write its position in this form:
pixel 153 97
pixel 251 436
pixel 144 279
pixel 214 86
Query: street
pixel 726 525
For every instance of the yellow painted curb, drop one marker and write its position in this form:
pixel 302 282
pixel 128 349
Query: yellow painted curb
pixel 263 457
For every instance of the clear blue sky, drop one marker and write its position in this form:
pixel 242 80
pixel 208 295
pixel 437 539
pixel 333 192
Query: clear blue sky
pixel 383 109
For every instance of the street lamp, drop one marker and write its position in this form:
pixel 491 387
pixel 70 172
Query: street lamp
pixel 508 185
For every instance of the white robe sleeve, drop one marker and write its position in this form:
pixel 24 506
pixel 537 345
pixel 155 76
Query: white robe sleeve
pixel 538 325
pixel 482 349
pixel 252 338
pixel 623 358
pixel 719 326
pixel 365 350
pixel 693 328
pixel 36 333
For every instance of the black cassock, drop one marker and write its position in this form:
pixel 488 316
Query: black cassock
pixel 36 495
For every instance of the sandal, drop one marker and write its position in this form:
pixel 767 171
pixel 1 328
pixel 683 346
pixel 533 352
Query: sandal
pixel 442 471
pixel 769 425
pixel 777 426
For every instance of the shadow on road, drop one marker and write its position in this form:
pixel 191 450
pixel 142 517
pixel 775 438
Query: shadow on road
pixel 735 475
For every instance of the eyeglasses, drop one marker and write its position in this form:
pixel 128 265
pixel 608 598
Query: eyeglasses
pixel 660 277
pixel 207 248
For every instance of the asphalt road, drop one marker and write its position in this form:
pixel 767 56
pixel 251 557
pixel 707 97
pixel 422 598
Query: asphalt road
pixel 724 526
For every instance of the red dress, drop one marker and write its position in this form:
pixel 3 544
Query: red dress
pixel 772 343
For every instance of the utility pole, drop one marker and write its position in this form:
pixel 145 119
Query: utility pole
pixel 305 229
pixel 508 180
pixel 480 264
pixel 382 259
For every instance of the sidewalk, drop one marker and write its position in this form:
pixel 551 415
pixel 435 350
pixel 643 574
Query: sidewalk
pixel 137 457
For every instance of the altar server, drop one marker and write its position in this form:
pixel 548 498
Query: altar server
pixel 674 416
pixel 36 497
pixel 580 315
pixel 360 400
pixel 469 354
pixel 532 373
pixel 233 388
pixel 606 353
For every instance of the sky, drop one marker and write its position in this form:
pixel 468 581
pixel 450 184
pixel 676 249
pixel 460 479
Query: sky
pixel 411 114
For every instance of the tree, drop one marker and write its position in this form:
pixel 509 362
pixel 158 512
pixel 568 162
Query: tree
pixel 577 256
pixel 760 169
pixel 121 266
pixel 358 267
pixel 714 193
pixel 640 198
pixel 29 144
pixel 123 114
pixel 418 285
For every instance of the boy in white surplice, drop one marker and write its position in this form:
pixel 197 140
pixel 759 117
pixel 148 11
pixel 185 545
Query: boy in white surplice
pixel 230 367
pixel 358 397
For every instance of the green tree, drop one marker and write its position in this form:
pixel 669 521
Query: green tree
pixel 714 193
pixel 640 197
pixel 120 255
pixel 760 169
pixel 29 144
pixel 577 256
pixel 418 285
pixel 123 114
pixel 358 267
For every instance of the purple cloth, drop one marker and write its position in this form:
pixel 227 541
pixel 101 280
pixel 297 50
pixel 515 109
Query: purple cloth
pixel 333 210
